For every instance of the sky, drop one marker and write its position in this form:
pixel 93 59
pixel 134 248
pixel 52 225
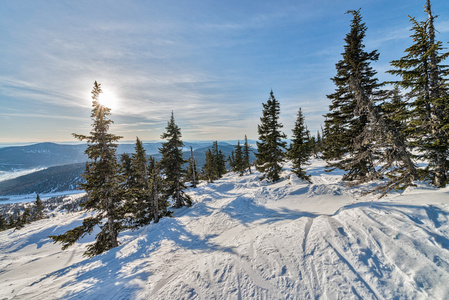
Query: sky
pixel 213 63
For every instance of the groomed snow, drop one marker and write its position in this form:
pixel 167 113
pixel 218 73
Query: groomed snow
pixel 245 239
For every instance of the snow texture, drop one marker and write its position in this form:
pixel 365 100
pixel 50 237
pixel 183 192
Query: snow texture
pixel 247 239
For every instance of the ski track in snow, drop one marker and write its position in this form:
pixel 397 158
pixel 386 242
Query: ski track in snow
pixel 246 239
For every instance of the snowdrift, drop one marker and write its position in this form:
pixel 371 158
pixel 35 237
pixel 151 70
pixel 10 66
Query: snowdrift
pixel 245 239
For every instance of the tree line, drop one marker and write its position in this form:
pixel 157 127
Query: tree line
pixel 132 191
pixel 370 132
pixel 374 133
pixel 30 213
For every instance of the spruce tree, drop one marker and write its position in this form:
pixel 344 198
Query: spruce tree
pixel 246 155
pixel 239 162
pixel 160 204
pixel 270 146
pixel 19 222
pixel 209 167
pixel 11 221
pixel 27 215
pixel 171 164
pixel 386 140
pixel 192 170
pixel 143 204
pixel 3 223
pixel 300 148
pixel 23 218
pixel 219 160
pixel 102 182
pixel 344 123
pixel 380 139
pixel 38 212
pixel 215 164
pixel 424 76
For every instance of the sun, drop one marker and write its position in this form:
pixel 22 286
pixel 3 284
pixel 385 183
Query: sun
pixel 108 99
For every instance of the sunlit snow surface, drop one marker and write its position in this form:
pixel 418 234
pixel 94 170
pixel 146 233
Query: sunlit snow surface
pixel 246 239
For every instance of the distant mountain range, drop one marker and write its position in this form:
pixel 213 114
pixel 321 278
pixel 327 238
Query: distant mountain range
pixel 65 164
pixel 53 179
pixel 40 155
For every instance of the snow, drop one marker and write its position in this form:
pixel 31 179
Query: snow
pixel 32 197
pixel 245 239
pixel 6 175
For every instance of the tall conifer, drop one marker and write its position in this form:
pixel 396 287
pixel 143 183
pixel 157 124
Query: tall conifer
pixel 344 123
pixel 143 206
pixel 270 147
pixel 209 167
pixel 38 212
pixel 246 155
pixel 160 204
pixel 300 148
pixel 219 160
pixel 102 184
pixel 172 164
pixel 425 77
pixel 192 170
pixel 239 162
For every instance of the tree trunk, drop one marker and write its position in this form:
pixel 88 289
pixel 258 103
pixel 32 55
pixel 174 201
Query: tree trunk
pixel 193 167
pixel 112 231
pixel 155 203
pixel 178 196
pixel 440 179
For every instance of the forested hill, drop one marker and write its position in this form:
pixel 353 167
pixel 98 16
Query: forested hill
pixel 65 164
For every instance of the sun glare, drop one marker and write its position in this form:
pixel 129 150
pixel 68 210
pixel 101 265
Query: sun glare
pixel 108 99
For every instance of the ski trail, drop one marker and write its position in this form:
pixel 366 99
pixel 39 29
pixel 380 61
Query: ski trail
pixel 308 267
pixel 353 269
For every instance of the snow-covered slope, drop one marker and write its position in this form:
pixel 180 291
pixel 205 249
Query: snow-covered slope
pixel 245 239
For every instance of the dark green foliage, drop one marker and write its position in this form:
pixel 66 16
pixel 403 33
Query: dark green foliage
pixel 300 148
pixel 424 76
pixel 246 155
pixel 344 123
pixel 219 160
pixel 3 223
pixel 102 184
pixel 209 169
pixel 239 163
pixel 215 164
pixel 160 204
pixel 71 236
pixel 171 165
pixel 11 221
pixel 316 144
pixel 139 203
pixel 270 146
pixel 144 206
pixel 387 141
pixel 38 212
pixel 192 170
pixel 25 218
pixel 127 173
pixel 359 132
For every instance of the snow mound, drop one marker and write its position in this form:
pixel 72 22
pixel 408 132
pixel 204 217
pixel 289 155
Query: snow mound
pixel 243 239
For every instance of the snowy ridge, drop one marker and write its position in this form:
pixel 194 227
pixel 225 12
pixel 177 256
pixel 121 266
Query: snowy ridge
pixel 246 239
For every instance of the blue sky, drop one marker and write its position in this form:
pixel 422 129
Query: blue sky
pixel 212 62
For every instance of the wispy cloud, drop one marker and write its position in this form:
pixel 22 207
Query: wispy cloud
pixel 212 63
pixel 42 116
